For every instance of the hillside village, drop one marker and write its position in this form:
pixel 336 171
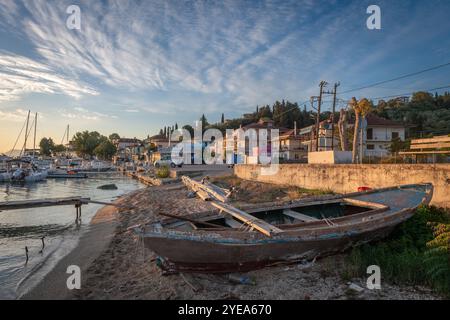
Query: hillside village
pixel 387 129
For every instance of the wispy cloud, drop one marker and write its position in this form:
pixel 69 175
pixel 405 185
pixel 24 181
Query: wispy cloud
pixel 20 75
pixel 17 115
pixel 84 114
pixel 240 53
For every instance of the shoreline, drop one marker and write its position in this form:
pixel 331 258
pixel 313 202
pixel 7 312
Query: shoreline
pixel 91 244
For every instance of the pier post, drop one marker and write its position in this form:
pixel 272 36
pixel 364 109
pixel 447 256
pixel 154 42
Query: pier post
pixel 26 254
pixel 78 210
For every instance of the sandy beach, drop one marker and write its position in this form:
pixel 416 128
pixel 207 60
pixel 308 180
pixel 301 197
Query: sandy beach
pixel 90 246
pixel 115 264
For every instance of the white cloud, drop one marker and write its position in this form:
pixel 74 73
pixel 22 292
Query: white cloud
pixel 20 75
pixel 160 46
pixel 17 115
pixel 84 114
pixel 244 52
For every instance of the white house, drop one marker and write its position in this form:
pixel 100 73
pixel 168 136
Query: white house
pixel 379 134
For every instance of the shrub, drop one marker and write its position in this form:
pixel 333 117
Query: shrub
pixel 417 252
pixel 162 172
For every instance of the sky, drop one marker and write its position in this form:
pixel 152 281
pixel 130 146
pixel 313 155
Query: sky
pixel 136 66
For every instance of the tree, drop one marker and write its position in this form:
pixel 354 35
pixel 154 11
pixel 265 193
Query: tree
pixel 204 121
pixel 361 109
pixel 161 132
pixel 365 107
pixel 176 126
pixel 105 150
pixel 222 119
pixel 114 136
pixel 59 148
pixel 190 129
pixel 46 146
pixel 85 142
pixel 342 126
pixel 398 145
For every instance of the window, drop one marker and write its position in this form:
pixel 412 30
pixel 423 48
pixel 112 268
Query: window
pixel 370 147
pixel 395 135
pixel 369 134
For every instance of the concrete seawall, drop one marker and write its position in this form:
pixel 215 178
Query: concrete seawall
pixel 344 178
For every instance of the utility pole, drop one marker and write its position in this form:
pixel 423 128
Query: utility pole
pixel 337 84
pixel 321 85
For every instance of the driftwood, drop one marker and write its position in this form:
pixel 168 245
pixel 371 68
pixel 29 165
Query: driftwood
pixel 213 191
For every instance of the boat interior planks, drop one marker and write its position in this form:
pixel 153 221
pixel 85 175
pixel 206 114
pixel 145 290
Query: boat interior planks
pixel 298 215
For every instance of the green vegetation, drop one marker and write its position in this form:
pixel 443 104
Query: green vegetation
pixel 88 144
pixel 314 192
pixel 162 172
pixel 47 147
pixel 423 114
pixel 417 253
pixel 105 150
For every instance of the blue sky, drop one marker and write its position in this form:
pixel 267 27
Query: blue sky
pixel 136 66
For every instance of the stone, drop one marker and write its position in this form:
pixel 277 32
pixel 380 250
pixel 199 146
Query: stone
pixel 111 186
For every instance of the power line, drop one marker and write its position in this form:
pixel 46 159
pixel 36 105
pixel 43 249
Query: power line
pixel 397 78
pixel 409 93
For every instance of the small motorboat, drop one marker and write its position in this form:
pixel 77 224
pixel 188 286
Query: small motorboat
pixel 27 172
pixel 228 239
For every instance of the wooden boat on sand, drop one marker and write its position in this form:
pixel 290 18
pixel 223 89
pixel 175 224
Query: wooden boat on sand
pixel 228 239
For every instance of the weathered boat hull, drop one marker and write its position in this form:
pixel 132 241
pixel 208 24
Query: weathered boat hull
pixel 229 251
pixel 202 256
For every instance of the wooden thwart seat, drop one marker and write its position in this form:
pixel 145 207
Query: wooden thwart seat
pixel 298 215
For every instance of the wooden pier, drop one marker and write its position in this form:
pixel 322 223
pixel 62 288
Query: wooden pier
pixel 25 204
pixel 38 203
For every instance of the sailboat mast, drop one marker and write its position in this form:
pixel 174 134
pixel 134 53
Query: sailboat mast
pixel 34 140
pixel 26 134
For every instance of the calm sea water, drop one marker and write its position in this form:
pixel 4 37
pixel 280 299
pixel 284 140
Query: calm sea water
pixel 21 228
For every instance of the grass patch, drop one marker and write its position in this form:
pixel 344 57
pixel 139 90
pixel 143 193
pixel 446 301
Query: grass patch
pixel 314 192
pixel 259 192
pixel 417 252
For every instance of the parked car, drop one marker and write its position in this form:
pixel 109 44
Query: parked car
pixel 166 162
